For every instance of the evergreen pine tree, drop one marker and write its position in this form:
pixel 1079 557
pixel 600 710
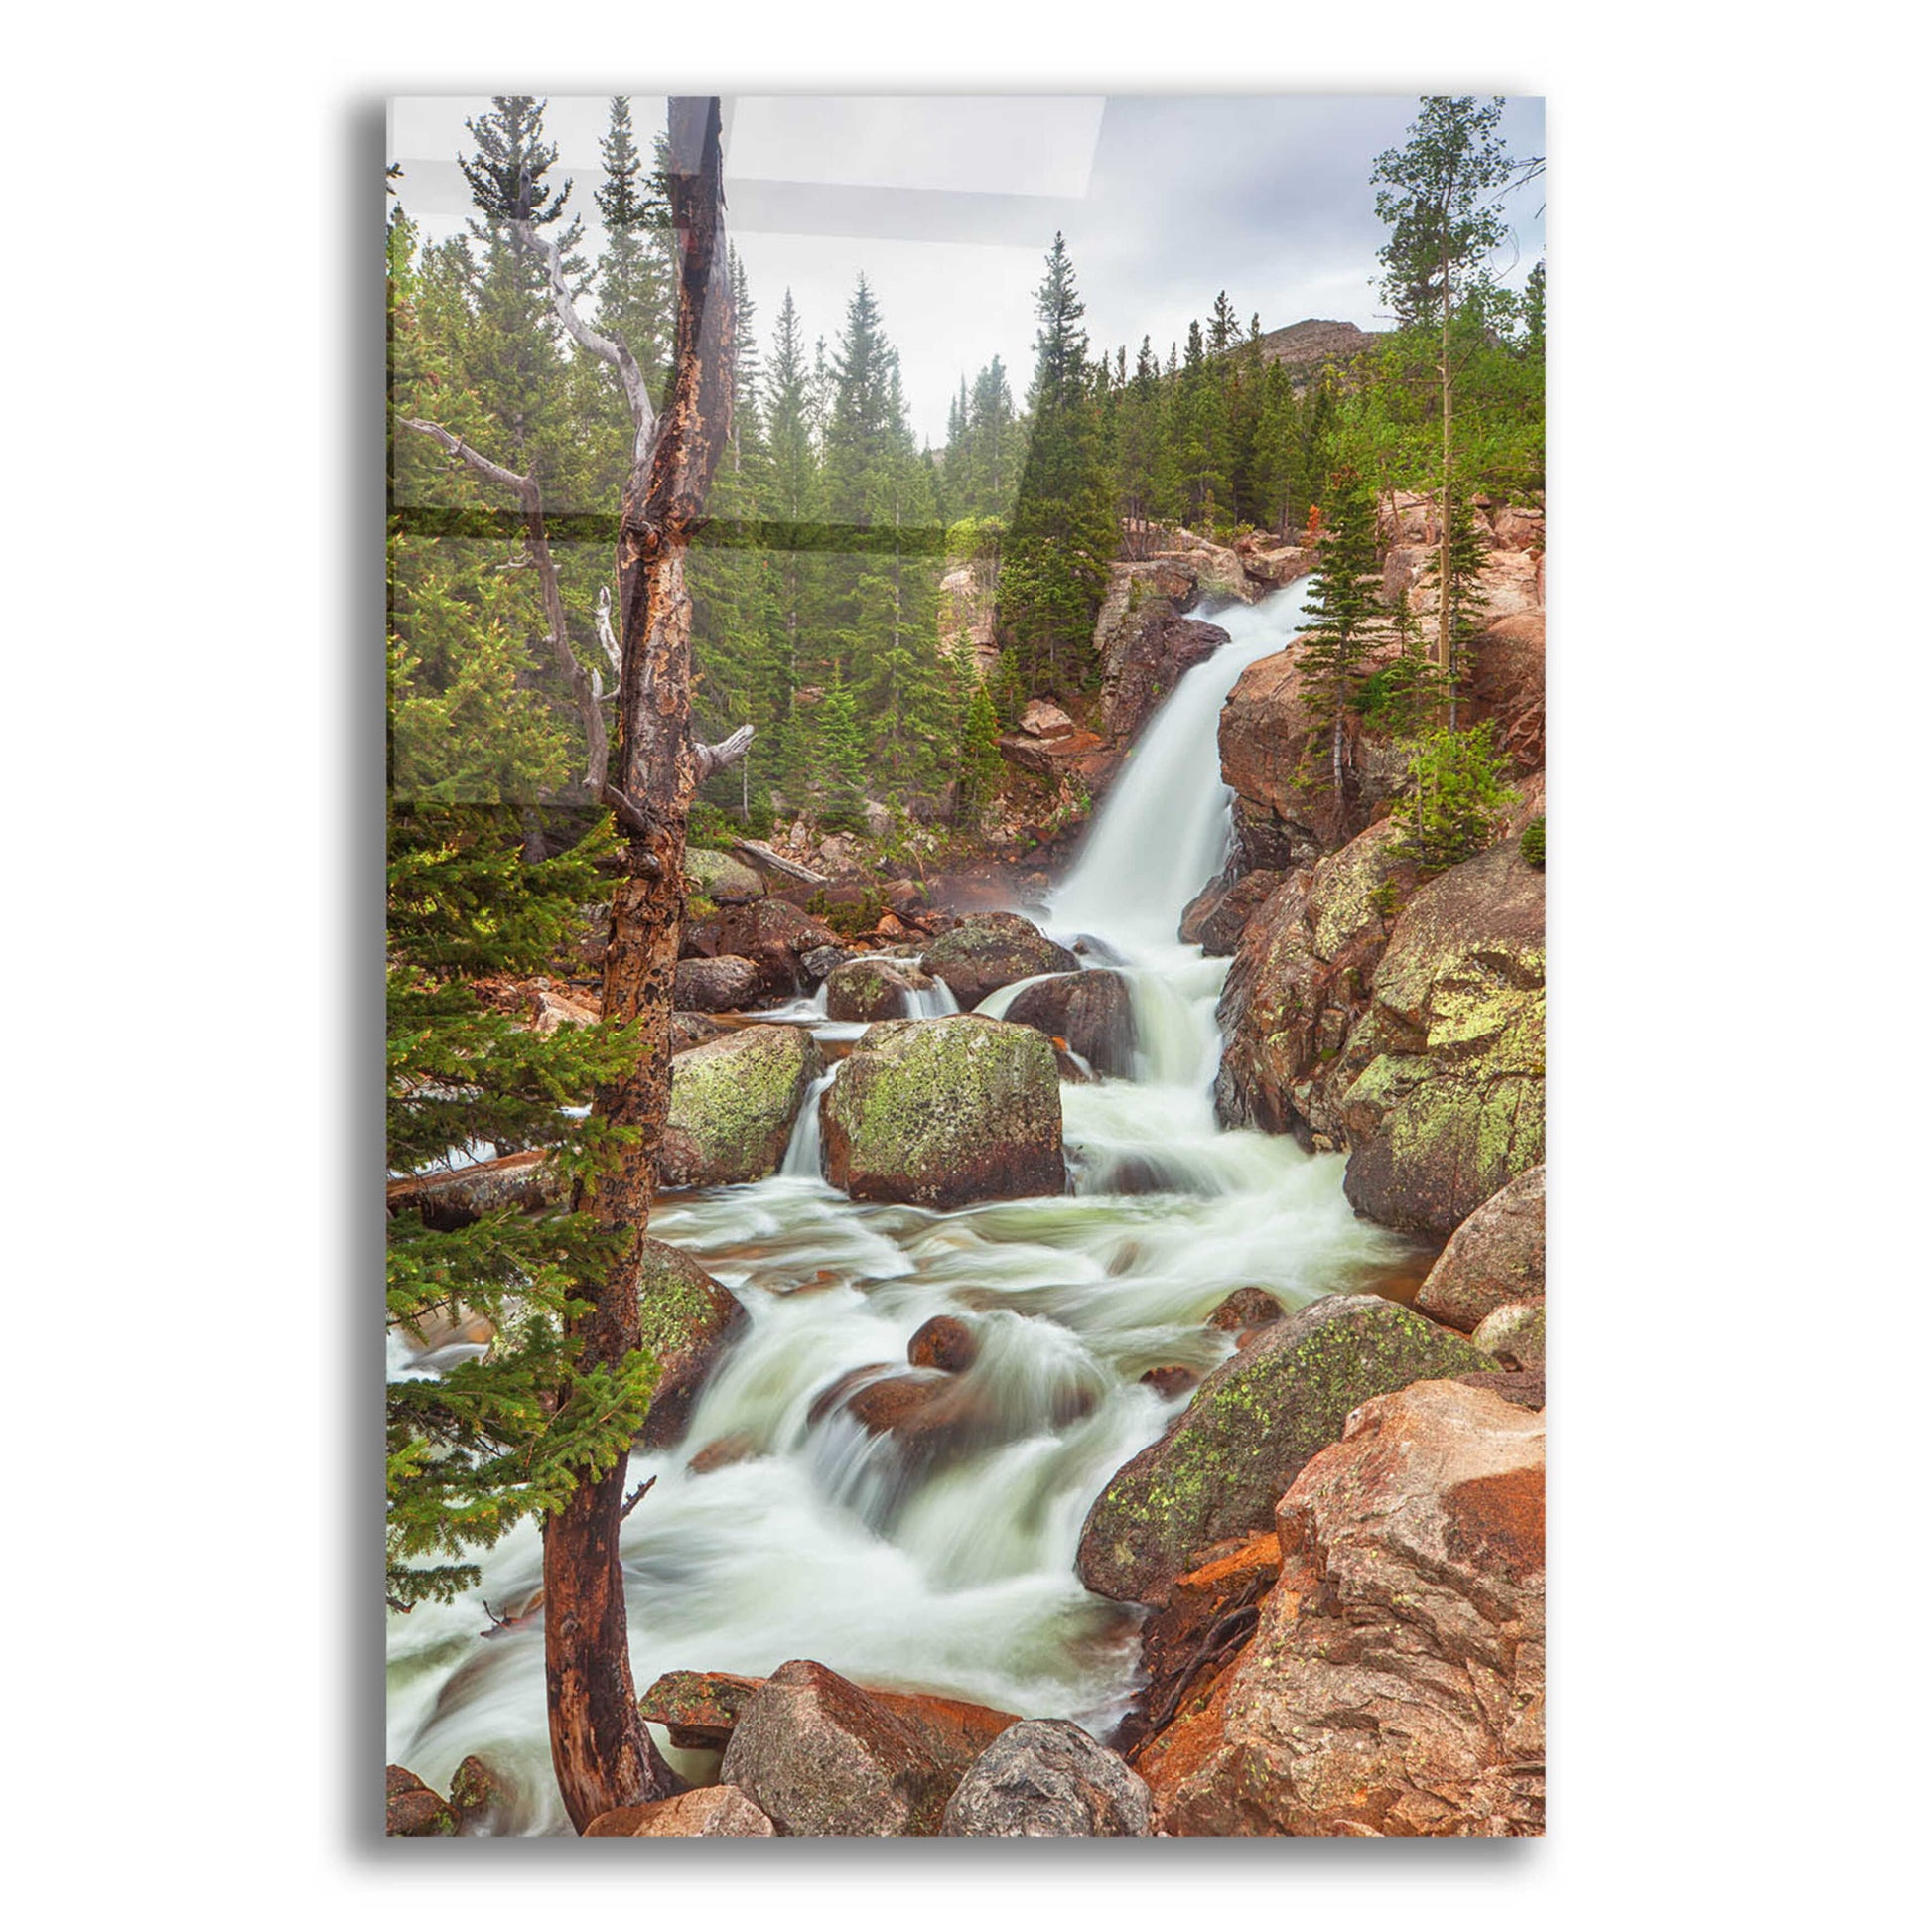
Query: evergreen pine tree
pixel 1062 534
pixel 1463 594
pixel 1343 608
pixel 1456 800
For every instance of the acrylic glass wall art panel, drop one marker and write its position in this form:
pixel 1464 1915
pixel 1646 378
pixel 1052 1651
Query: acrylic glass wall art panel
pixel 966 966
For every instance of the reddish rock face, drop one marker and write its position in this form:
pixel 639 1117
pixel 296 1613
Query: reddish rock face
pixel 1507 686
pixel 1172 1379
pixel 822 1757
pixel 1495 1257
pixel 1246 1307
pixel 720 985
pixel 1092 1013
pixel 699 1709
pixel 1218 917
pixel 943 1343
pixel 1147 665
pixel 718 1811
pixel 414 1810
pixel 1185 1645
pixel 1394 1686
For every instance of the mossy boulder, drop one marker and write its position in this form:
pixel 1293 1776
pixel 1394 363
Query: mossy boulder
pixel 1252 1425
pixel 685 1318
pixel 1299 981
pixel 872 989
pixel 720 878
pixel 1440 1087
pixel 732 1104
pixel 989 950
pixel 943 1112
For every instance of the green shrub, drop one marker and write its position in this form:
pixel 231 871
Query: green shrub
pixel 1532 842
pixel 1457 797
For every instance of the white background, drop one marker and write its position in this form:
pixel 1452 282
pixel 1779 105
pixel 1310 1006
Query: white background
pixel 1736 882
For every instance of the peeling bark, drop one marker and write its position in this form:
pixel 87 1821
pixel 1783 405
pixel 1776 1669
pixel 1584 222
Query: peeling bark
pixel 602 1750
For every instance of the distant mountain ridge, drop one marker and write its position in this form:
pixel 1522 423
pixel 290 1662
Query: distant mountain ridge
pixel 1303 346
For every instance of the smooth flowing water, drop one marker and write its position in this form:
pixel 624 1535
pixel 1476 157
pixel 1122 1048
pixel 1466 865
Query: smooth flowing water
pixel 952 1573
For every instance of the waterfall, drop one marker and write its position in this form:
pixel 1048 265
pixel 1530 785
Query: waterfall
pixel 1164 829
pixel 947 1569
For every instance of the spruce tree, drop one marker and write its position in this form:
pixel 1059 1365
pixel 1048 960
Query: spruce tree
pixel 1462 596
pixel 1062 534
pixel 1344 609
pixel 1457 797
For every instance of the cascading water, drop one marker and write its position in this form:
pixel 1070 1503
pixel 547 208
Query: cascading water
pixel 951 1571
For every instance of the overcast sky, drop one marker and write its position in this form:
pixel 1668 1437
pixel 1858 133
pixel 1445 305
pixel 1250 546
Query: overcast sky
pixel 948 203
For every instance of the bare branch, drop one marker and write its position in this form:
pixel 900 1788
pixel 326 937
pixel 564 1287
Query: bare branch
pixel 762 854
pixel 605 635
pixel 713 758
pixel 607 348
pixel 637 1496
pixel 597 737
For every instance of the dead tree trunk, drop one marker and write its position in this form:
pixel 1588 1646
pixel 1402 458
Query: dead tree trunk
pixel 603 1754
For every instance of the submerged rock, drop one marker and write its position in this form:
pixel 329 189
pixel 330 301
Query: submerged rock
pixel 944 1342
pixel 939 1112
pixel 1494 1257
pixel 1395 1684
pixel 988 950
pixel 732 1104
pixel 684 1318
pixel 1250 1428
pixel 1047 1778
pixel 1092 1012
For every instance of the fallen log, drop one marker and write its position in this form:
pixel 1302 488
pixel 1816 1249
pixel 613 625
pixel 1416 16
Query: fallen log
pixel 762 854
pixel 450 1198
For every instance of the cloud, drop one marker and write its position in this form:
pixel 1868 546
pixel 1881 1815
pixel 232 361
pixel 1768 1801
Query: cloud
pixel 948 203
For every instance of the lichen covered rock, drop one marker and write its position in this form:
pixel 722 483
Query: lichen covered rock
pixel 1299 981
pixel 989 950
pixel 1444 1094
pixel 1250 1428
pixel 685 1318
pixel 942 1112
pixel 732 1104
pixel 720 878
pixel 1394 1686
pixel 873 988
pixel 1047 1778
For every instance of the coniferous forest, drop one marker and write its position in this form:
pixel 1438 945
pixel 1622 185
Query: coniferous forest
pixel 965 1023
